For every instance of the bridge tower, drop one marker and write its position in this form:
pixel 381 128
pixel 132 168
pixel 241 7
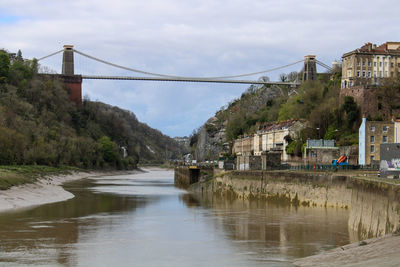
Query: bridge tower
pixel 310 68
pixel 72 82
pixel 68 60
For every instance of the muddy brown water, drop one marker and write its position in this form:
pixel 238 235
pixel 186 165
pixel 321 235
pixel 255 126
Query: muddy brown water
pixel 143 220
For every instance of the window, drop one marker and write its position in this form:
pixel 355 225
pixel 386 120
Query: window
pixel 313 154
pixel 372 139
pixel 369 74
pixel 374 64
pixel 384 139
pixel 372 158
pixel 363 73
pixel 392 64
pixel 358 63
pixel 372 149
pixel 358 73
pixel 374 74
pixel 386 64
pixel 385 129
pixel 391 74
pixel 398 65
pixel 363 63
pixel 369 64
pixel 386 73
pixel 372 128
pixel 380 74
pixel 380 64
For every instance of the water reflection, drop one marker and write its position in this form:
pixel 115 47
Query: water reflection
pixel 143 219
pixel 274 228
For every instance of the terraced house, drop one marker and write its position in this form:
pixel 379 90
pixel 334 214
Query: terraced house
pixel 269 138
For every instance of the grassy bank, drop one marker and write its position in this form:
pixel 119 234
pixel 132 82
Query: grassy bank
pixel 18 175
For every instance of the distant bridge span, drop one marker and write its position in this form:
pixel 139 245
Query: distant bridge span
pixel 74 82
pixel 181 79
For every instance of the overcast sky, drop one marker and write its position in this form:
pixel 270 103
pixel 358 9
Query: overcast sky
pixel 190 38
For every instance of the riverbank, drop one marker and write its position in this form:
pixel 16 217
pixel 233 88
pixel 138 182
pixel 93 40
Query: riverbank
pixel 44 188
pixel 381 251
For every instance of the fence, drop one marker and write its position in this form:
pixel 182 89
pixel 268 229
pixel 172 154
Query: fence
pixel 320 167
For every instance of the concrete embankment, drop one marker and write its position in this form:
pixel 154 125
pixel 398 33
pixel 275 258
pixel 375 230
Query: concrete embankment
pixel 374 204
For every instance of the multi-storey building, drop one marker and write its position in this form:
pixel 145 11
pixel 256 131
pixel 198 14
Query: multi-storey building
pixel 369 64
pixel 276 137
pixel 269 137
pixel 371 135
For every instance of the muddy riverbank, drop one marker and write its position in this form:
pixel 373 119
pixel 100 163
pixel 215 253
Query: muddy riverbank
pixel 47 189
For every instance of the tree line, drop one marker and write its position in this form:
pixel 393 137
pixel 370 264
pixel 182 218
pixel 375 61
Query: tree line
pixel 40 125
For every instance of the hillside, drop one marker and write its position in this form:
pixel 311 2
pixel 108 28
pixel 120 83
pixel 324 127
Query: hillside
pixel 315 101
pixel 40 125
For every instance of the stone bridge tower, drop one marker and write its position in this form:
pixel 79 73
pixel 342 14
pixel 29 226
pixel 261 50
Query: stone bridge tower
pixel 72 82
pixel 310 68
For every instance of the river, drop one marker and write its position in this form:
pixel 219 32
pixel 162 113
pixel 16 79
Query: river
pixel 143 220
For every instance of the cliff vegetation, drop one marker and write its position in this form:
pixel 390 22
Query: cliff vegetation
pixel 317 102
pixel 39 125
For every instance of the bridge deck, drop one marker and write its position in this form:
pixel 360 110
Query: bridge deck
pixel 179 79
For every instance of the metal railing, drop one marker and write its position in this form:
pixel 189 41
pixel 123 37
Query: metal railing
pixel 322 167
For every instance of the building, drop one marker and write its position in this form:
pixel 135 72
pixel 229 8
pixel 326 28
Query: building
pixel 243 146
pixel 320 151
pixel 371 135
pixel 275 137
pixel 259 151
pixel 369 64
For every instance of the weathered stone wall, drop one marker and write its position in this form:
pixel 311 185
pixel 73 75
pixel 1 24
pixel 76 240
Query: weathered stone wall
pixel 368 101
pixel 181 177
pixel 374 206
pixel 309 189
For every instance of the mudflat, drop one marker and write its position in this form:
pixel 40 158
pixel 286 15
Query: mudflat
pixel 381 251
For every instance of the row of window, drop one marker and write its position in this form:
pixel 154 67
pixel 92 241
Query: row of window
pixel 384 139
pixel 385 128
pixel 392 64
pixel 364 74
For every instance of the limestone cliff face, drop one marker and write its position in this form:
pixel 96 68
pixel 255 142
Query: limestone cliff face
pixel 211 137
pixel 374 205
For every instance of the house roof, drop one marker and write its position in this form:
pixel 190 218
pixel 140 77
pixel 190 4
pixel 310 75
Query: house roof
pixel 369 48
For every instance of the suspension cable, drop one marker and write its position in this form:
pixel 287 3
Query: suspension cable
pixel 183 77
pixel 52 54
pixel 323 65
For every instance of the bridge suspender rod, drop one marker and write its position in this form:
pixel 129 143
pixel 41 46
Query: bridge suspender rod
pixel 177 79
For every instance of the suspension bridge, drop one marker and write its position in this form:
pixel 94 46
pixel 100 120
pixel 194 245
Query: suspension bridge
pixel 74 82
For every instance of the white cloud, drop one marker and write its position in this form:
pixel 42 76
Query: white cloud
pixel 191 38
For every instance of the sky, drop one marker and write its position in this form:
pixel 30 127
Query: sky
pixel 189 38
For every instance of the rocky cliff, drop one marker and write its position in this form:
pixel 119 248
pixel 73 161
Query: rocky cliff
pixel 221 128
